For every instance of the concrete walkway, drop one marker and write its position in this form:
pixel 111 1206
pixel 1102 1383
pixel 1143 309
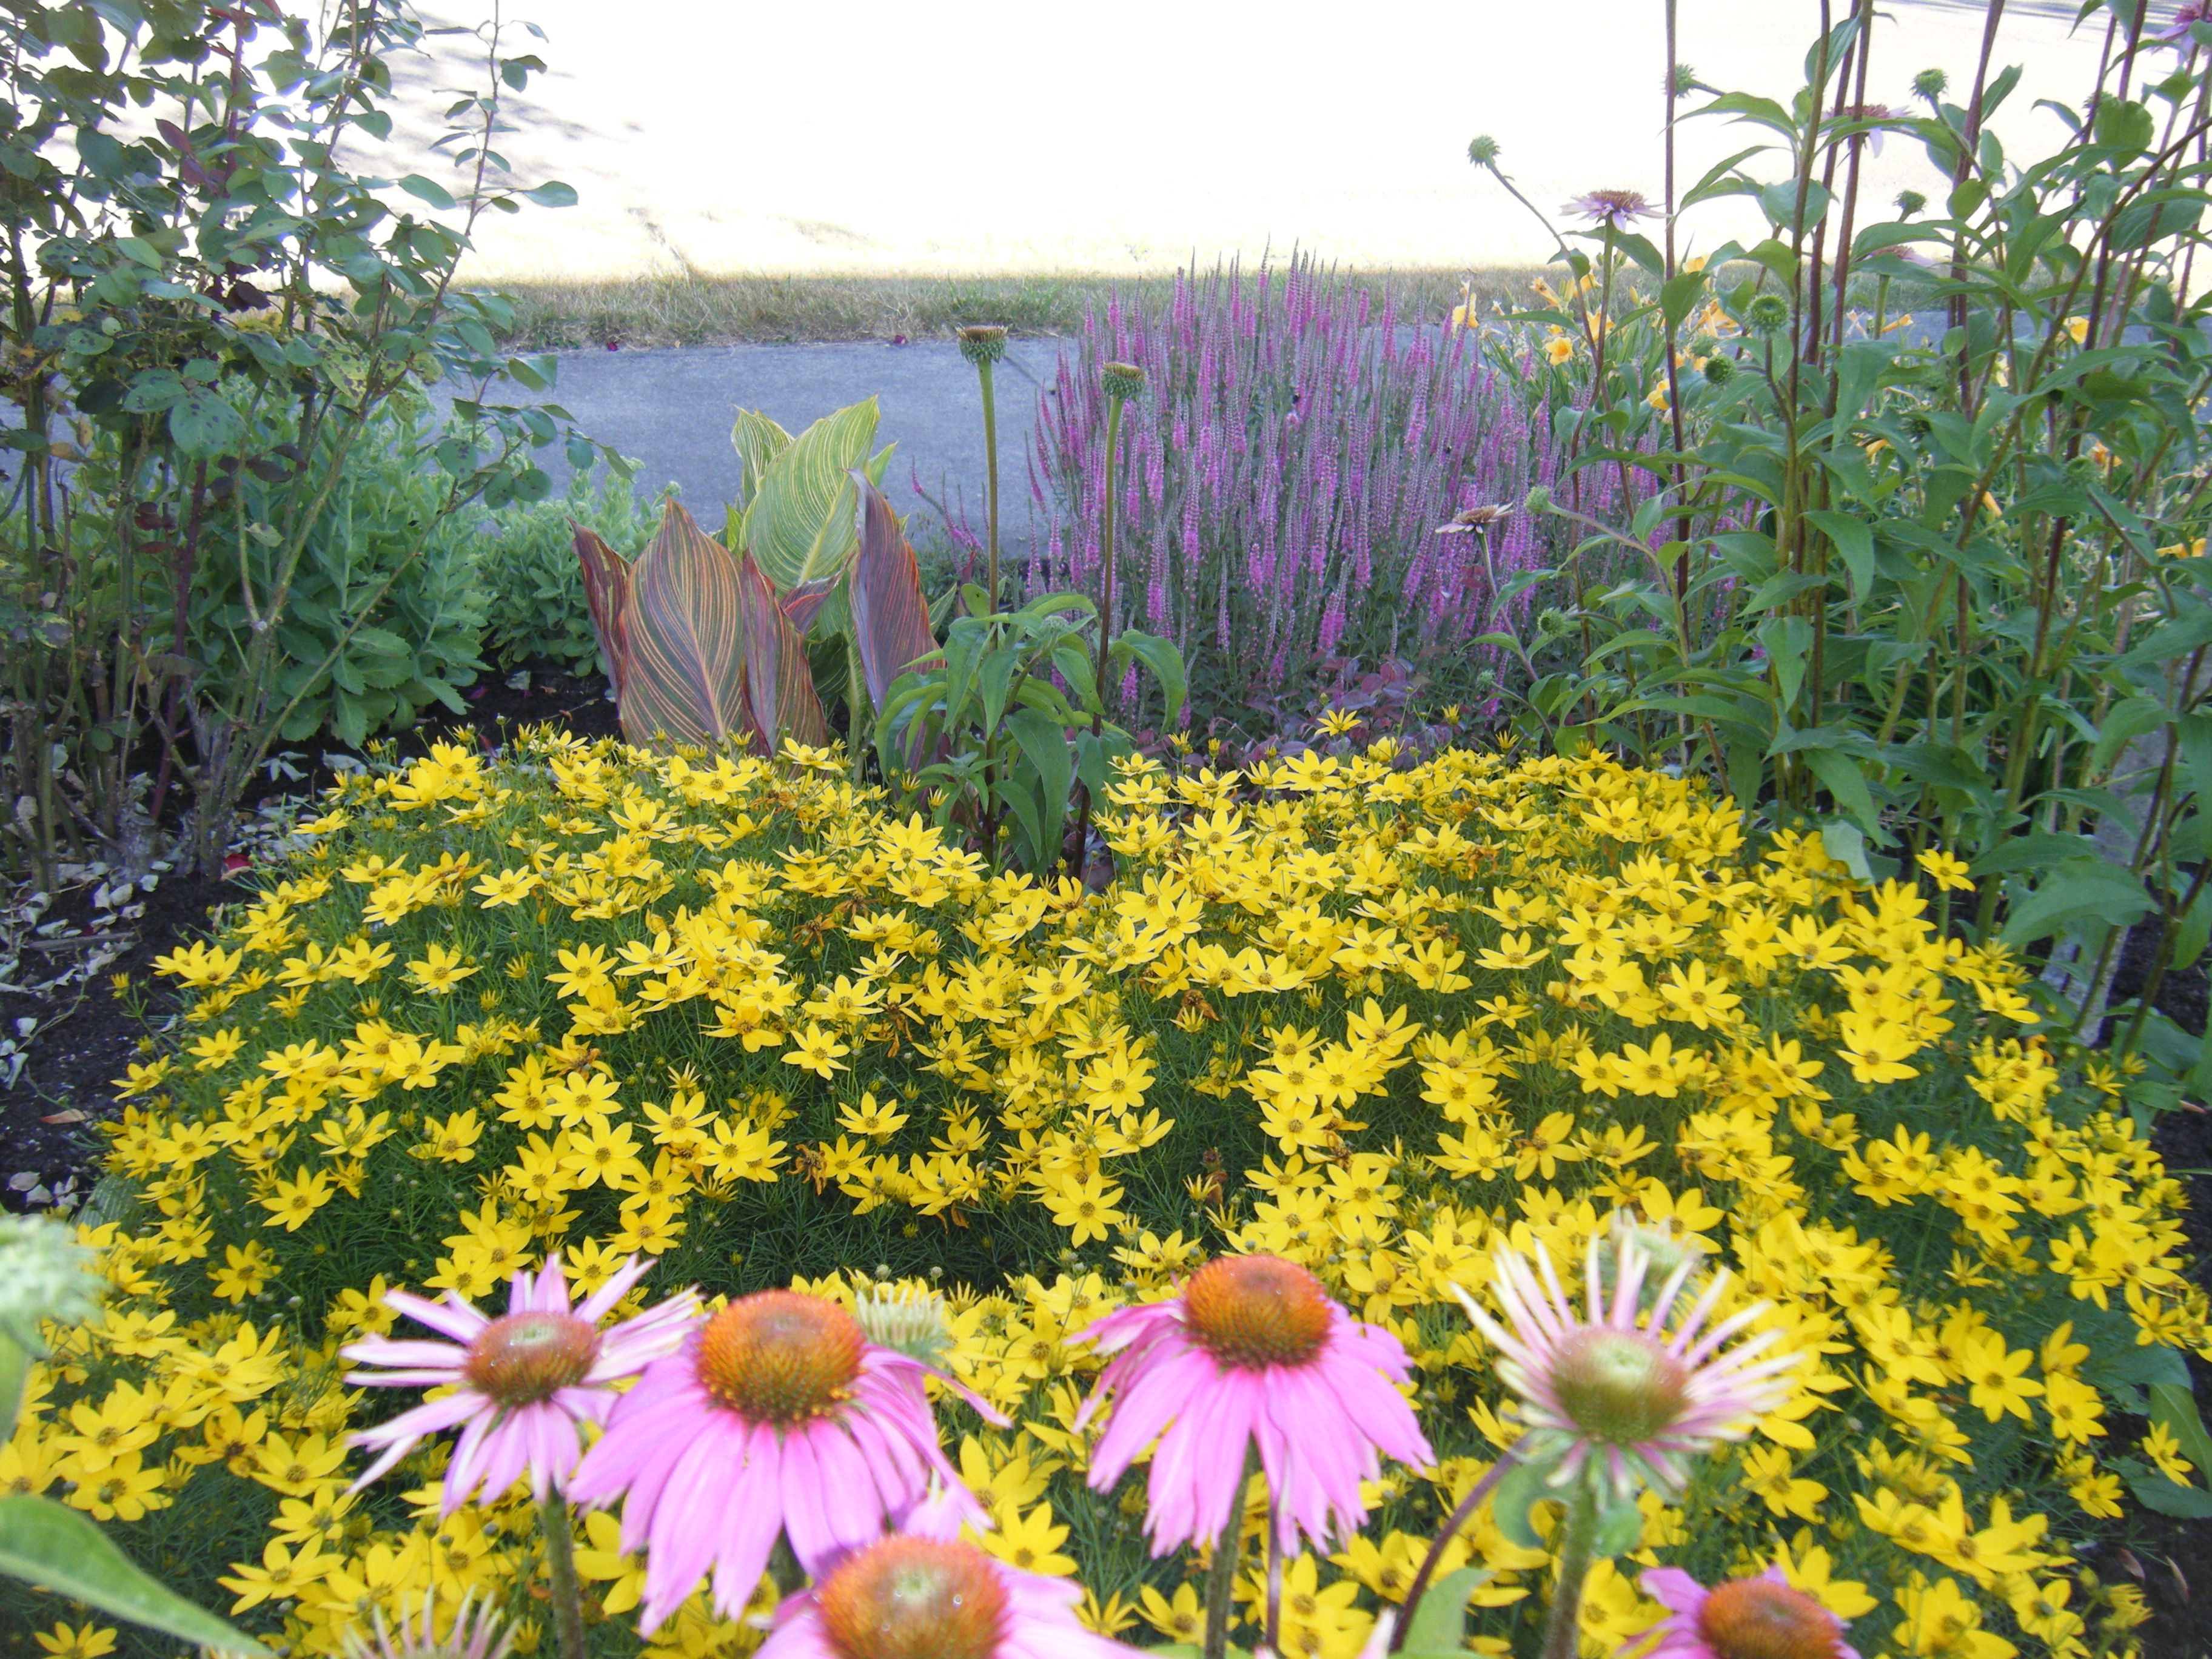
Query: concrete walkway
pixel 671 410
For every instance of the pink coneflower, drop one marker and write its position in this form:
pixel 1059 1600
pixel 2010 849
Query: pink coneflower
pixel 522 1382
pixel 912 1597
pixel 1612 1386
pixel 1612 208
pixel 778 1416
pixel 1253 1350
pixel 1760 1617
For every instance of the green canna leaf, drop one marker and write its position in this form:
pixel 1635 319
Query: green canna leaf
pixel 799 526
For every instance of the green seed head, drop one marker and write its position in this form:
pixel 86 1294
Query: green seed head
pixel 983 342
pixel 1123 381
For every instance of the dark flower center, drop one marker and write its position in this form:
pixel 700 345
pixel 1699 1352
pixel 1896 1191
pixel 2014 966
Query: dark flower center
pixel 524 1358
pixel 1620 1387
pixel 1255 1311
pixel 1758 1619
pixel 778 1357
pixel 913 1598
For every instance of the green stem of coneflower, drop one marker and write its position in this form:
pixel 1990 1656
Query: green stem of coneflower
pixel 1106 556
pixel 1221 1578
pixel 566 1595
pixel 1274 1587
pixel 1460 1516
pixel 1577 1548
pixel 990 483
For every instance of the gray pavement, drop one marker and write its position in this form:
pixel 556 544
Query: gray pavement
pixel 671 412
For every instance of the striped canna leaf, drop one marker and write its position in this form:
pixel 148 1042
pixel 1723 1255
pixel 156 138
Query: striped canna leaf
pixel 759 440
pixel 683 677
pixel 779 681
pixel 890 617
pixel 606 592
pixel 794 526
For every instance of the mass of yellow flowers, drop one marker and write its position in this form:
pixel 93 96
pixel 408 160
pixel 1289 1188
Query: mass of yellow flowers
pixel 1376 1016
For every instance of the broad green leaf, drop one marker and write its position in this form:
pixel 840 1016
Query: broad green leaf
pixel 1854 540
pixel 2176 1407
pixel 1619 1528
pixel 1044 745
pixel 1439 1624
pixel 759 440
pixel 2154 1490
pixel 57 1549
pixel 1519 1492
pixel 203 423
pixel 427 189
pixel 1162 658
pixel 799 527
pixel 685 654
pixel 2101 893
pixel 1843 779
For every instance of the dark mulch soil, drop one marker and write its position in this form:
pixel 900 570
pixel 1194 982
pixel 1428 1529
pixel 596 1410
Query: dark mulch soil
pixel 89 1033
pixel 88 1037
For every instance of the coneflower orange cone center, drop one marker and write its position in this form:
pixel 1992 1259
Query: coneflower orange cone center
pixel 779 1357
pixel 1254 1311
pixel 913 1598
pixel 1620 1387
pixel 1757 1618
pixel 526 1357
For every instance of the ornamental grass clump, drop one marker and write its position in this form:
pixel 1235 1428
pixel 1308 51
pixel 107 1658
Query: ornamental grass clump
pixel 1345 1036
pixel 1291 491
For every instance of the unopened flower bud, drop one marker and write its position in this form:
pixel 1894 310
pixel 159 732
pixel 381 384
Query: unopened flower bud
pixel 1719 370
pixel 1483 151
pixel 1766 312
pixel 1909 202
pixel 1930 83
pixel 45 1274
pixel 1682 82
pixel 1539 499
pixel 983 342
pixel 1123 381
pixel 910 1323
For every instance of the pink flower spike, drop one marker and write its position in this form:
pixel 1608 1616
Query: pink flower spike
pixel 905 1596
pixel 1615 1391
pixel 1760 1617
pixel 777 1416
pixel 1253 1350
pixel 524 1384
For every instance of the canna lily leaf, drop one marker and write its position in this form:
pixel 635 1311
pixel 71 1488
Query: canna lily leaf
pixel 683 657
pixel 606 592
pixel 793 526
pixel 891 619
pixel 759 440
pixel 779 682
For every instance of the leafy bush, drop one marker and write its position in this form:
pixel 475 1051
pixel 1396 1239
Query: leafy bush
pixel 1935 583
pixel 1286 488
pixel 1378 1019
pixel 536 609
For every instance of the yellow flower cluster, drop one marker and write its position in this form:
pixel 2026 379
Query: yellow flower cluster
pixel 1378 1018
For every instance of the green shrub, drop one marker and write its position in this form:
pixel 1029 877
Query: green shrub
pixel 533 587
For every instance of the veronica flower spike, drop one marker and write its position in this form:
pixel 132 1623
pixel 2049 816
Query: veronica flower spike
pixel 1616 1392
pixel 777 1416
pixel 522 1382
pixel 1253 1350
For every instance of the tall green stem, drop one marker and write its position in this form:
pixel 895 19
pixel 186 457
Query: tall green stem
pixel 990 482
pixel 1221 1576
pixel 560 1578
pixel 1460 1516
pixel 1579 1548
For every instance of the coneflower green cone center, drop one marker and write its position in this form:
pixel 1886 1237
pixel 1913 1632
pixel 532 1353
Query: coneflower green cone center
pixel 1618 1387
pixel 1758 1618
pixel 525 1358
pixel 779 1357
pixel 1255 1311
pixel 913 1598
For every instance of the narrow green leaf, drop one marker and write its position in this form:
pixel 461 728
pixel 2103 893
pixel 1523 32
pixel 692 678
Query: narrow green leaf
pixel 1439 1624
pixel 57 1549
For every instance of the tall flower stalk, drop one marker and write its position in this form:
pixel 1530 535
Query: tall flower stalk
pixel 1121 382
pixel 982 345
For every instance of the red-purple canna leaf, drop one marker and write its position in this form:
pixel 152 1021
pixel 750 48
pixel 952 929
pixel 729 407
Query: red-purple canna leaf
pixel 891 619
pixel 779 681
pixel 606 591
pixel 684 678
